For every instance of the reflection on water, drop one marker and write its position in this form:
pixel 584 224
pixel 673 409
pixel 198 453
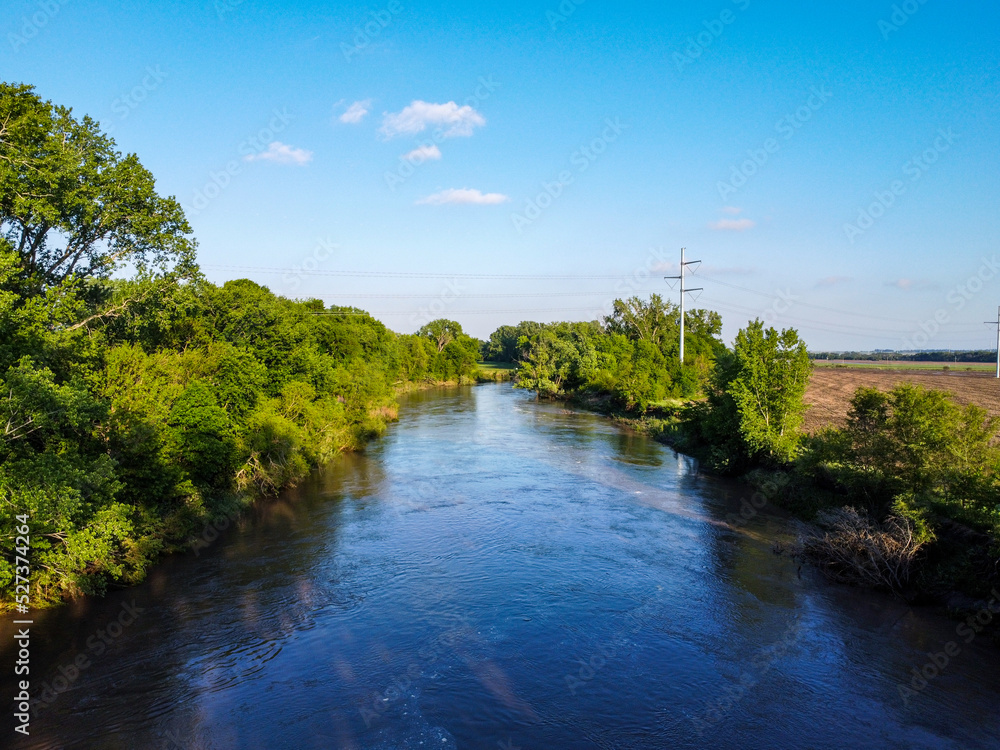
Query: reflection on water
pixel 500 573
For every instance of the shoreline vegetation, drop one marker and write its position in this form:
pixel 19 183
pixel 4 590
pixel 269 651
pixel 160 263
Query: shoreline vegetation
pixel 140 410
pixel 903 496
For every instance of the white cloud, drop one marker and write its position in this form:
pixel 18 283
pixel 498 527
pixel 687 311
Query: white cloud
pixel 282 153
pixel 456 121
pixel 463 195
pixel 356 112
pixel 423 153
pixel 732 210
pixel 912 284
pixel 833 281
pixel 733 225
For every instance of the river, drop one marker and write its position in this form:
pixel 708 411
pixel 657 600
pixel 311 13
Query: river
pixel 497 573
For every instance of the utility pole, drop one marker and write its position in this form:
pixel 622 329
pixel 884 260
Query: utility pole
pixel 684 265
pixel 997 324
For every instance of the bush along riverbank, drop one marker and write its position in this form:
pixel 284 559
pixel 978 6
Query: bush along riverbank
pixel 904 497
pixel 139 411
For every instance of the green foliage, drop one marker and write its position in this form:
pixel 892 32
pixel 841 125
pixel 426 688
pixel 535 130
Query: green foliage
pixel 632 357
pixel 441 332
pixel 70 205
pixel 504 344
pixel 756 404
pixel 654 321
pixel 134 410
pixel 912 442
pixel 915 458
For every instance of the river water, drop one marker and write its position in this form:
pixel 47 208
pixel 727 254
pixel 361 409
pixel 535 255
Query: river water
pixel 496 573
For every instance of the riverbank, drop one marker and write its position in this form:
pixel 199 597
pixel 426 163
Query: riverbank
pixel 202 521
pixel 955 573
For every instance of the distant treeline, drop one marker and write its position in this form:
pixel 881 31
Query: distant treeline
pixel 632 356
pixel 929 356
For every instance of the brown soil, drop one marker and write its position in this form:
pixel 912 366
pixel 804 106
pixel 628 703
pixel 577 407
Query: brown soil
pixel 831 388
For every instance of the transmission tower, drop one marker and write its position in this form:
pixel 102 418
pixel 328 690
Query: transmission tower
pixel 997 324
pixel 684 265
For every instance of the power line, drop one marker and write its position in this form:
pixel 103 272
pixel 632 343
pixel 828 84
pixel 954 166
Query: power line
pixel 464 296
pixel 808 304
pixel 847 327
pixel 824 326
pixel 518 311
pixel 410 274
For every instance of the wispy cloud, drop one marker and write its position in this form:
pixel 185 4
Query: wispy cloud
pixel 732 210
pixel 732 225
pixel 908 285
pixel 833 281
pixel 423 153
pixel 282 153
pixel 356 112
pixel 456 121
pixel 463 195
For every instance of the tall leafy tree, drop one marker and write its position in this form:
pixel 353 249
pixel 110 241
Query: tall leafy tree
pixel 442 332
pixel 654 320
pixel 760 387
pixel 71 206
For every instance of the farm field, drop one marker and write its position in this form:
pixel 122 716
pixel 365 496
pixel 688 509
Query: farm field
pixel 831 388
pixel 896 365
pixel 490 367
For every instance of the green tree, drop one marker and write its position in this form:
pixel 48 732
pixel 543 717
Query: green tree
pixel 760 387
pixel 441 332
pixel 70 205
pixel 654 321
pixel 548 363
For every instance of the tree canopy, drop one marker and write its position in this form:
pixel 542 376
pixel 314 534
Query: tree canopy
pixel 71 206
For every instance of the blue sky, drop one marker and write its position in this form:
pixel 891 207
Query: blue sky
pixel 834 165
